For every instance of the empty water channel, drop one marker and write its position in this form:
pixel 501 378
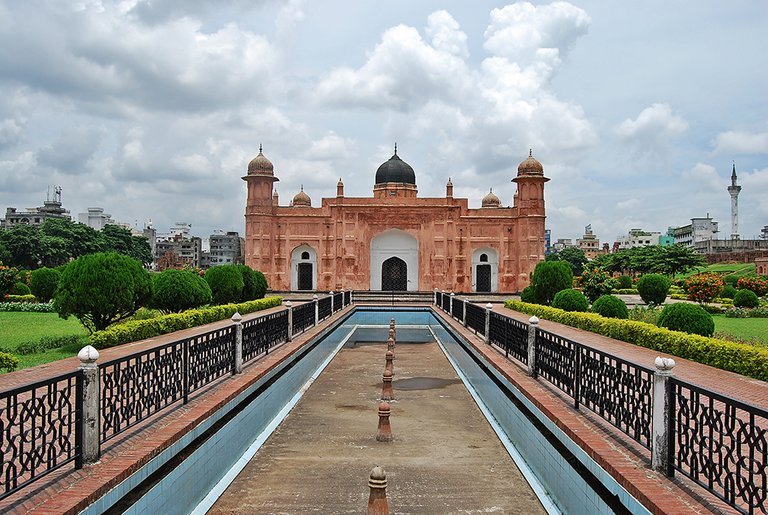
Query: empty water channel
pixel 465 440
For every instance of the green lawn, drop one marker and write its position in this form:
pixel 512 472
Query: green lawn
pixel 736 269
pixel 743 328
pixel 18 328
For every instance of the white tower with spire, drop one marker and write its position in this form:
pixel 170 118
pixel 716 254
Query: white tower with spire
pixel 734 191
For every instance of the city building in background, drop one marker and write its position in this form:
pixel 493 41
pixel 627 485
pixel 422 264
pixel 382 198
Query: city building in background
pixel 51 208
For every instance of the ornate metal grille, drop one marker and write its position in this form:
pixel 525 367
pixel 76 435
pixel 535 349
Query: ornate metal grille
pixel 303 317
pixel 138 386
pixel 446 303
pixel 483 278
pixel 338 301
pixel 721 444
pixel 38 430
pixel 324 308
pixel 263 333
pixel 509 334
pixel 458 309
pixel 211 355
pixel 394 275
pixel 618 391
pixel 305 276
pixel 555 360
pixel 475 318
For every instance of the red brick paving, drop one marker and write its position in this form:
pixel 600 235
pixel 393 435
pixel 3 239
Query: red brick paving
pixel 70 491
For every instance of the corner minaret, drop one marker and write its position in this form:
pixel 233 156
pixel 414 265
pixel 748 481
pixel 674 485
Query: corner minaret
pixel 734 191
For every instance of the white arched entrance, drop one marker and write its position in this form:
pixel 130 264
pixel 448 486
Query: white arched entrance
pixel 398 244
pixel 303 268
pixel 485 270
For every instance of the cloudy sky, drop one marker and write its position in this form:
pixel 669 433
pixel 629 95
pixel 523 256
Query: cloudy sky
pixel 152 109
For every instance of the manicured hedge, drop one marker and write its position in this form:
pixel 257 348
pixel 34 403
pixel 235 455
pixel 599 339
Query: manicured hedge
pixel 742 359
pixel 20 298
pixel 26 307
pixel 134 330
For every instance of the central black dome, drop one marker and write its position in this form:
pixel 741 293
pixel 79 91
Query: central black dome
pixel 395 170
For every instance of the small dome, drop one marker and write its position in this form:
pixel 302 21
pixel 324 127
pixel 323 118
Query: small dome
pixel 530 166
pixel 302 199
pixel 395 170
pixel 260 165
pixel 491 200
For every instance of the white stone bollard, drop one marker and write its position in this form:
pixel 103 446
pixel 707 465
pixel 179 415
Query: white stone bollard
pixel 91 404
pixel 317 314
pixel 488 308
pixel 662 411
pixel 290 319
pixel 533 323
pixel 237 319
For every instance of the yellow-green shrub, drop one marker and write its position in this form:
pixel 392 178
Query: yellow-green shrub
pixel 742 359
pixel 134 330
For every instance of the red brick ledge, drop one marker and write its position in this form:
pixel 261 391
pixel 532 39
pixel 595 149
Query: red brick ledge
pixel 627 462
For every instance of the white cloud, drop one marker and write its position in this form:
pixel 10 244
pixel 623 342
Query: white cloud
pixel 329 147
pixel 704 177
pixel 11 131
pixel 741 142
pixel 446 35
pixel 631 203
pixel 655 122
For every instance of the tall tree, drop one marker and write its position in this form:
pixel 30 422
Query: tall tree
pixel 574 256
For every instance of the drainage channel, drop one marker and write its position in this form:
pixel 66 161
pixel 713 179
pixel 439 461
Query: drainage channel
pixel 452 446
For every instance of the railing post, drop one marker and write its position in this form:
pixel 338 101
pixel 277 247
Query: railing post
pixel 290 319
pixel 663 405
pixel 89 424
pixel 331 294
pixel 464 312
pixel 450 305
pixel 533 323
pixel 237 319
pixel 488 308
pixel 434 297
pixel 317 313
pixel 343 298
pixel 442 299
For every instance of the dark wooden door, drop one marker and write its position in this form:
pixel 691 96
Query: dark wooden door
pixel 394 275
pixel 305 276
pixel 483 278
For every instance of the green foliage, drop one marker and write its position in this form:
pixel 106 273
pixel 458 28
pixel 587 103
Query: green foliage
pixel 595 283
pixel 611 307
pixel 703 287
pixel 261 285
pixel 760 312
pixel 57 241
pixel 9 276
pixel 574 256
pixel 647 314
pixel 549 277
pixel 656 259
pixel 19 289
pixel 178 290
pixel 570 300
pixel 746 299
pixel 729 292
pixel 43 283
pixel 26 307
pixel 101 289
pixel 746 360
pixel 629 291
pixel 688 318
pixel 8 362
pixel 254 283
pixel 653 288
pixel 625 282
pixel 528 295
pixel 226 283
pixel 758 285
pixel 134 330
pixel 49 342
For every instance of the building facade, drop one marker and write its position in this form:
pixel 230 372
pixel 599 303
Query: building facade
pixel 394 240
pixel 639 238
pixel 224 249
pixel 700 229
pixel 51 208
pixel 95 218
pixel 589 243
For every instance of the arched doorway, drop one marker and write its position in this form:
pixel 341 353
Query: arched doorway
pixel 303 268
pixel 485 270
pixel 395 243
pixel 394 275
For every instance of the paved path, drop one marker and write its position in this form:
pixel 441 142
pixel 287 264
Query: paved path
pixel 444 459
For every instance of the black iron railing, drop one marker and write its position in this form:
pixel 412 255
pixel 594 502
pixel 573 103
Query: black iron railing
pixel 324 308
pixel 303 317
pixel 475 317
pixel 211 356
pixel 38 430
pixel 446 303
pixel 338 301
pixel 347 298
pixel 721 444
pixel 510 335
pixel 457 309
pixel 263 333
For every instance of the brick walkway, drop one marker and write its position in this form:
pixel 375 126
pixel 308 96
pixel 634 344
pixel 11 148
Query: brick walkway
pixel 70 491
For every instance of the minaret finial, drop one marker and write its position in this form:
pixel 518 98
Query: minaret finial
pixel 259 148
pixel 395 147
pixel 302 187
pixel 530 152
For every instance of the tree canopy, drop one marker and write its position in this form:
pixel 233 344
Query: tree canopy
pixel 574 256
pixel 57 241
pixel 651 259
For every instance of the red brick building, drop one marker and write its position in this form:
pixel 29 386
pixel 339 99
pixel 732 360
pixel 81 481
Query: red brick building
pixel 394 240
